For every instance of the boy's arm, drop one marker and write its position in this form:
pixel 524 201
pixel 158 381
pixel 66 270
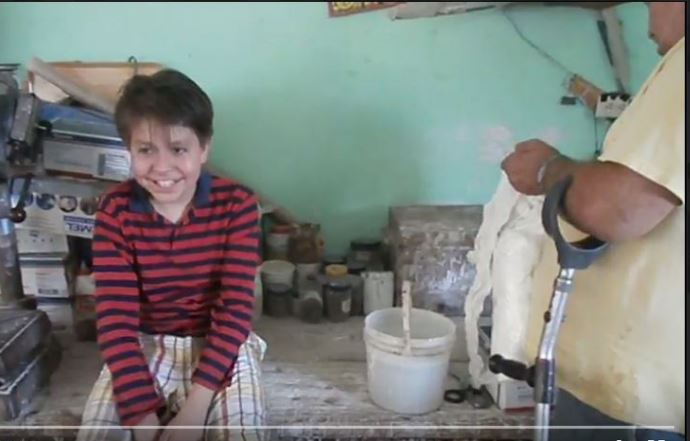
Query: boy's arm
pixel 117 322
pixel 231 318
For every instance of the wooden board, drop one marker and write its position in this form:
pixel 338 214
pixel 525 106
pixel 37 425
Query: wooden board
pixel 105 79
pixel 587 5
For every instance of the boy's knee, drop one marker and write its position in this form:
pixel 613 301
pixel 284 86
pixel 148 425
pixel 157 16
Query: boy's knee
pixel 235 415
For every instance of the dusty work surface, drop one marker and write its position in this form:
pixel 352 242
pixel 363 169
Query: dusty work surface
pixel 315 384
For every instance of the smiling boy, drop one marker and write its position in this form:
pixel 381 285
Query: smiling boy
pixel 176 251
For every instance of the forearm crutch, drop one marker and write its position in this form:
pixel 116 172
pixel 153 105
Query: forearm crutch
pixel 571 257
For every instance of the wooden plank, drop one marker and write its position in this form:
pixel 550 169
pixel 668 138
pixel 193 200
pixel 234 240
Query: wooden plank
pixel 598 6
pixel 104 78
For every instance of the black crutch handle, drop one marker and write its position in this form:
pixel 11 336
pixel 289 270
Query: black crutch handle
pixel 576 255
pixel 512 369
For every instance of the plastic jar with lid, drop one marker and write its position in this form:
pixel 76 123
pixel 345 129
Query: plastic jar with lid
pixel 336 271
pixel 367 251
pixel 333 259
pixel 277 242
pixel 338 300
pixel 355 270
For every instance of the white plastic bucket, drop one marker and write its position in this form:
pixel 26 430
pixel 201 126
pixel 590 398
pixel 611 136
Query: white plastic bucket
pixel 378 291
pixel 277 272
pixel 412 384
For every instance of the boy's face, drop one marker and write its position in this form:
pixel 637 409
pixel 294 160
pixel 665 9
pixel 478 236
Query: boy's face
pixel 167 161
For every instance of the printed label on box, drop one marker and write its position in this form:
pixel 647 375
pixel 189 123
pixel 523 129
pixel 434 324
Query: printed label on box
pixel 105 162
pixel 44 281
pixel 60 214
pixel 35 241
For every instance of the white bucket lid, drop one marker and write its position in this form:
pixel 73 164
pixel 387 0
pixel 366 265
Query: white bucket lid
pixel 431 333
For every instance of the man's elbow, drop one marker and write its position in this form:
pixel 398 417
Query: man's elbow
pixel 619 224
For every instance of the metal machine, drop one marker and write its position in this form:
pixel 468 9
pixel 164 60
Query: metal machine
pixel 29 352
pixel 29 131
pixel 17 135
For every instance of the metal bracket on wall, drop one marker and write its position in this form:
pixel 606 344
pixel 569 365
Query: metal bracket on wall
pixel 612 35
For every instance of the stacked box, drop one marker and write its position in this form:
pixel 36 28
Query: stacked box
pixel 429 247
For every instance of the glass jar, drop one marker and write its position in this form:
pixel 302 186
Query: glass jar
pixel 338 300
pixel 367 251
pixel 309 306
pixel 305 244
pixel 278 299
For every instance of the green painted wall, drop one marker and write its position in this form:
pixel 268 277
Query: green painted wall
pixel 641 50
pixel 338 119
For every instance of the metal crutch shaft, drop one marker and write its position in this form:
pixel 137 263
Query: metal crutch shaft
pixel 571 257
pixel 545 383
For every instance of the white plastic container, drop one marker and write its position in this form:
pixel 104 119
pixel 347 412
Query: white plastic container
pixel 378 291
pixel 278 272
pixel 278 245
pixel 411 384
pixel 304 270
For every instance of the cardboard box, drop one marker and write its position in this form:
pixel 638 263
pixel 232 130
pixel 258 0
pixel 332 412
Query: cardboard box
pixel 508 394
pixel 35 241
pixel 58 214
pixel 46 275
pixel 83 144
pixel 59 310
pixel 430 244
pixel 60 205
pixel 101 160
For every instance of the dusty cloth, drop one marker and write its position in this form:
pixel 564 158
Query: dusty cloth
pixel 236 413
pixel 621 348
pixel 505 253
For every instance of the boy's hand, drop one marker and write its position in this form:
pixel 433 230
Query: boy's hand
pixel 147 434
pixel 192 413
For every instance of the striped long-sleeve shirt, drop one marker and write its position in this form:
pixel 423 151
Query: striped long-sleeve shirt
pixel 192 278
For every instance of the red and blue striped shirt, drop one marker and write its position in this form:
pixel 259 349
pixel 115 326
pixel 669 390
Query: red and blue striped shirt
pixel 190 278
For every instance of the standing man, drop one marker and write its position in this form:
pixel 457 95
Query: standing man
pixel 621 349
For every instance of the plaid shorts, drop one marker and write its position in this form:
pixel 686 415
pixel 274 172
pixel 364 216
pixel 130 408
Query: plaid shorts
pixel 236 413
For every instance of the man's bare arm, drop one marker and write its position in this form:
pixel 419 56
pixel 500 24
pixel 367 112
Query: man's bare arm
pixel 609 200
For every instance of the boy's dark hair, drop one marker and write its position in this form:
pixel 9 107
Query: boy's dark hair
pixel 169 97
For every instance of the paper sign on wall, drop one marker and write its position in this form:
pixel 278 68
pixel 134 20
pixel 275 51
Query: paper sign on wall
pixel 339 9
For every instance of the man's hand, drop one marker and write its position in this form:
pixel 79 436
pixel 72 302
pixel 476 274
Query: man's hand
pixel 147 434
pixel 192 413
pixel 522 166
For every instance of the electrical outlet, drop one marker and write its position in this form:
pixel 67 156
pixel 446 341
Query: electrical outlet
pixel 611 105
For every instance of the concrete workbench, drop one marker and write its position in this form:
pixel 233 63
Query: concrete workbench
pixel 315 384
